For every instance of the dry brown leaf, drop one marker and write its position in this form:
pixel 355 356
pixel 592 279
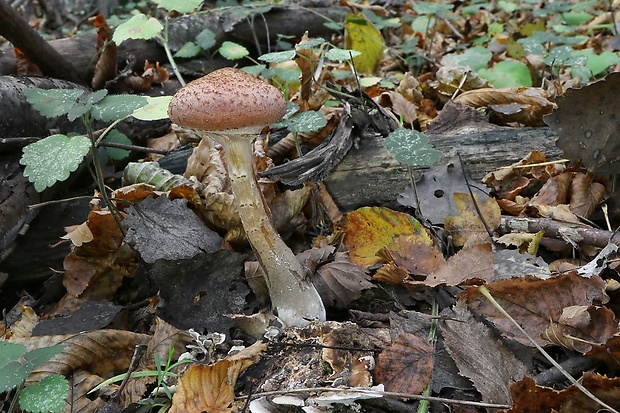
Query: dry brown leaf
pixel 529 397
pixel 480 355
pixel 399 105
pixel 106 67
pixel 473 264
pixel 581 327
pixel 554 191
pixel 23 65
pixel 211 388
pixel 535 303
pixel 585 195
pixel 468 228
pixel 418 255
pixel 533 104
pixel 340 282
pixel 406 365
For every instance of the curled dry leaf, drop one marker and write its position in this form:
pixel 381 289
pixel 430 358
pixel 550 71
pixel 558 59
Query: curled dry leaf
pixel 586 194
pixel 211 388
pixel 399 105
pixel 554 191
pixel 581 327
pixel 535 303
pixel 106 67
pixel 23 65
pixel 528 105
pixel 472 264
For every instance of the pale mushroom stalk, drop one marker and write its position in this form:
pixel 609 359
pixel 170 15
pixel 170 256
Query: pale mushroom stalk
pixel 232 107
pixel 295 298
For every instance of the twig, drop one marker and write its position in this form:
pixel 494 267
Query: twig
pixel 378 393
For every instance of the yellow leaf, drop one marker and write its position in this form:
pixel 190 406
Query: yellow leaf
pixel 368 230
pixel 467 228
pixel 361 35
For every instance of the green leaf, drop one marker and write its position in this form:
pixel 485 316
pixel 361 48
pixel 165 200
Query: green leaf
pixel 12 375
pixel 434 9
pixel 233 51
pixel 205 39
pixel 507 73
pixel 155 109
pixel 52 159
pixel 189 49
pixel 85 102
pixel 116 107
pixel 181 6
pixel 138 27
pixel 52 103
pixel 278 57
pixel 115 136
pixel 576 18
pixel 475 58
pixel 411 147
pixel 48 395
pixel 597 63
pixel 341 54
pixel 42 355
pixel 306 122
pixel 10 352
pixel 310 43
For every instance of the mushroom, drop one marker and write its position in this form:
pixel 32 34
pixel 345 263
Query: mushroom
pixel 232 107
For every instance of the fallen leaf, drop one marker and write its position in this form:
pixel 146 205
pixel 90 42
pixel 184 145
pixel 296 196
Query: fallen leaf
pixel 467 228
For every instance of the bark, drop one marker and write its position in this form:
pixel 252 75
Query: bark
pixel 18 31
pixel 369 174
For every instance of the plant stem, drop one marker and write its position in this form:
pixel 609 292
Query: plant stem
pixel 173 63
pixel 294 297
pixel 88 122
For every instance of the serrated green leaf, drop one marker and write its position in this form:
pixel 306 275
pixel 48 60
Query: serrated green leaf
pixel 115 136
pixel 13 374
pixel 411 147
pixel 52 159
pixel 42 355
pixel 205 39
pixel 155 109
pixel 116 107
pixel 181 6
pixel 52 103
pixel 48 395
pixel 341 54
pixel 306 122
pixel 233 51
pixel 254 70
pixel 278 57
pixel 189 49
pixel 475 58
pixel 138 27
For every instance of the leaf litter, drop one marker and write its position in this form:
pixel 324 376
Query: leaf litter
pixel 442 263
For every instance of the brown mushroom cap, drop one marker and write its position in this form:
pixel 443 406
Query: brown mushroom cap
pixel 226 99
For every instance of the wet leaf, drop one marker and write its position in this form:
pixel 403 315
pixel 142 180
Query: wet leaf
pixel 52 159
pixel 46 396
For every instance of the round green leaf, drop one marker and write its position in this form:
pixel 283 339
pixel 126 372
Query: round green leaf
pixel 52 159
pixel 507 73
pixel 117 137
pixel 205 39
pixel 310 43
pixel 278 57
pixel 475 58
pixel 411 147
pixel 233 51
pixel 341 54
pixel 138 27
pixel 46 396
pixel 183 6
pixel 189 49
pixel 306 122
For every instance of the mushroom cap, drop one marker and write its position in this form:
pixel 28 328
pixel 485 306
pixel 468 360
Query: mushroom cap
pixel 226 99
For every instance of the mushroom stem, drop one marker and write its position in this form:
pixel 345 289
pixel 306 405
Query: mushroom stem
pixel 295 297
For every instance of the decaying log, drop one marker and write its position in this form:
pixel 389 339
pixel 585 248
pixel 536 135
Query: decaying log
pixel 292 21
pixel 369 174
